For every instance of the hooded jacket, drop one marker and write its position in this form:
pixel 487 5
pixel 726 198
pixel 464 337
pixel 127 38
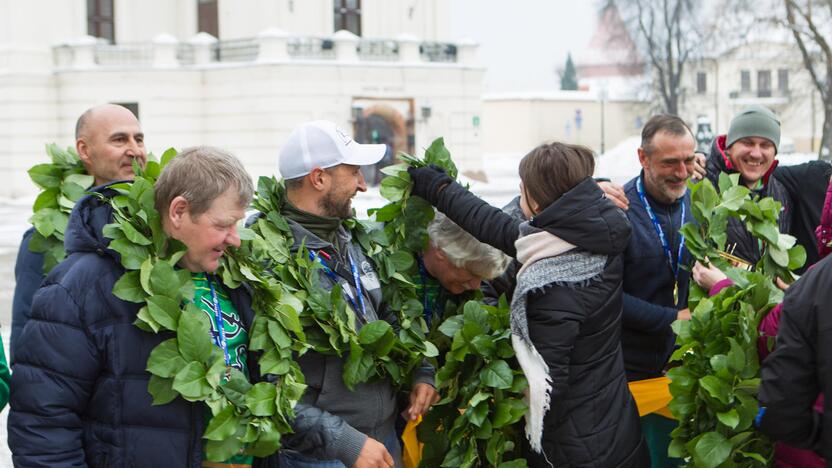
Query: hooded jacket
pixel 746 246
pixel 576 327
pixel 79 390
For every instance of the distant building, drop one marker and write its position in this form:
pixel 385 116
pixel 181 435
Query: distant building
pixel 238 74
pixel 764 72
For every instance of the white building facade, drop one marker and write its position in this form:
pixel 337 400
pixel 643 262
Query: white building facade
pixel 766 73
pixel 239 74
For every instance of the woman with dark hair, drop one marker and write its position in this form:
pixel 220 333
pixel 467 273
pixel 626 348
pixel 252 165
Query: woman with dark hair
pixel 566 309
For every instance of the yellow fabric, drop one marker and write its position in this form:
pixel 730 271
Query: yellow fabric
pixel 412 448
pixel 652 396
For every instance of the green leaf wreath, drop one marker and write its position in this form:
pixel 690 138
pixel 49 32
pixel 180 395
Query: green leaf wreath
pixel 715 386
pixel 247 418
pixel 62 183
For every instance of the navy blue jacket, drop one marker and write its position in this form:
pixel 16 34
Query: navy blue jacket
pixel 79 390
pixel 28 275
pixel 649 308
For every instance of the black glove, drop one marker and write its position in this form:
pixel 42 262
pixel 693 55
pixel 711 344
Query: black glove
pixel 428 182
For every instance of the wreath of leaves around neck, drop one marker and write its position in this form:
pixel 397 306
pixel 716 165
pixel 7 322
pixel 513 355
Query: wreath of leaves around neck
pixel 247 418
pixel 62 183
pixel 715 386
pixel 476 422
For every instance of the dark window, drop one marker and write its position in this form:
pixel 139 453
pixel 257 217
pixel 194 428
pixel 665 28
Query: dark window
pixel 131 106
pixel 783 80
pixel 207 17
pixel 348 16
pixel 100 19
pixel 764 83
pixel 701 83
pixel 745 81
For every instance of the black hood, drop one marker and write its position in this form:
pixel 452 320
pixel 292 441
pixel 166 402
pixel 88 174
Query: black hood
pixel 84 232
pixel 585 218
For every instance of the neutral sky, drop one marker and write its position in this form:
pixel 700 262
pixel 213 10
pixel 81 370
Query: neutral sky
pixel 523 42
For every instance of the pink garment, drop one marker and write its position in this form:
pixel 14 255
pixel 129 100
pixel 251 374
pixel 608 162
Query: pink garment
pixel 785 456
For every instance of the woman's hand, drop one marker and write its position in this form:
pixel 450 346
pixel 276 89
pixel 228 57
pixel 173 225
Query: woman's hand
pixel 707 276
pixel 428 181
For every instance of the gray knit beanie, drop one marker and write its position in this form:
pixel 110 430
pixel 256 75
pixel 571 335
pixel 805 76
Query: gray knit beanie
pixel 754 121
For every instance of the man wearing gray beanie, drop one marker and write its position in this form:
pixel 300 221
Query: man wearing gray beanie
pixel 749 148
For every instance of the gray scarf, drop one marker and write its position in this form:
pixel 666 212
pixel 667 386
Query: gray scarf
pixel 553 262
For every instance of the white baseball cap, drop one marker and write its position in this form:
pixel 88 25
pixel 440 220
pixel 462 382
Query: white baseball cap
pixel 322 144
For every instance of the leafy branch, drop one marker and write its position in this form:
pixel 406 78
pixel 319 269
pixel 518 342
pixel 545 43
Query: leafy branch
pixel 715 386
pixel 62 183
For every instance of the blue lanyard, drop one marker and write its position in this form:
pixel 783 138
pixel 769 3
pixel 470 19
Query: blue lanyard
pixel 428 313
pixel 313 255
pixel 221 340
pixel 658 228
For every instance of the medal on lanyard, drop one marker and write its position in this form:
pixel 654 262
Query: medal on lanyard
pixel 665 246
pixel 221 340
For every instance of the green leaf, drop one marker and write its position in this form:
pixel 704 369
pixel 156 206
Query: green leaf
pixel 377 337
pixel 167 156
pixel 401 260
pixel 127 288
pixel 165 281
pixel 358 368
pixel 223 425
pixel 797 257
pixel 497 374
pixel 165 360
pixel 193 335
pixel 716 387
pixel 191 383
pixel 46 176
pixel 133 235
pixel 221 450
pixel 260 399
pixel 730 418
pixel 164 310
pixel 161 390
pixel 711 450
pixel 132 255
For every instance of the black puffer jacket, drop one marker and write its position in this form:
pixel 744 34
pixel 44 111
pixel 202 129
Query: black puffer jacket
pixel 799 367
pixel 747 247
pixel 593 421
pixel 79 390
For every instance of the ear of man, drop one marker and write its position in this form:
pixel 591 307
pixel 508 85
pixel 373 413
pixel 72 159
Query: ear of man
pixel 319 179
pixel 178 209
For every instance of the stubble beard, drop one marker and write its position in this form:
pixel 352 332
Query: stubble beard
pixel 332 206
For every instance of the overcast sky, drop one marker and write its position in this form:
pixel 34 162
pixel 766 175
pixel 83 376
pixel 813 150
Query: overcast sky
pixel 522 42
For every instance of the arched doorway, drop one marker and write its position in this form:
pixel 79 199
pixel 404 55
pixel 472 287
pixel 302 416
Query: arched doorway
pixel 382 122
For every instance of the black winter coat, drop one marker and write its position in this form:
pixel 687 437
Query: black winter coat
pixel 593 421
pixel 806 184
pixel 747 247
pixel 79 389
pixel 800 367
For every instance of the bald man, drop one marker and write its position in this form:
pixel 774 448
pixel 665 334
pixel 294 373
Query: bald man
pixel 108 138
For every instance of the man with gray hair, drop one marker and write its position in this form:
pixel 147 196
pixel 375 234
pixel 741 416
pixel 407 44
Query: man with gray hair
pixel 80 387
pixel 453 263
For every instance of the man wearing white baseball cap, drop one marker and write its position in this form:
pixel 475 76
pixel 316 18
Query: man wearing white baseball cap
pixel 335 426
